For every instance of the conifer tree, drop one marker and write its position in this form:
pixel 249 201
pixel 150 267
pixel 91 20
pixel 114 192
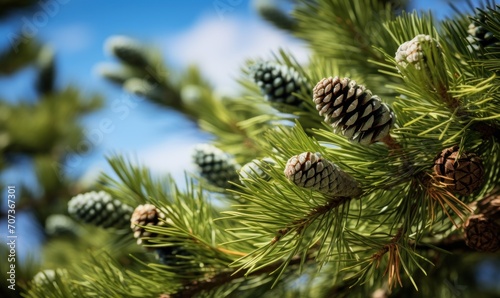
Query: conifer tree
pixel 371 170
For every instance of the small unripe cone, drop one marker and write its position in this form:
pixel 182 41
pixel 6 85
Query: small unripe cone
pixel 61 225
pixel 310 170
pixel 128 51
pixel 412 52
pixel 482 234
pixel 99 209
pixel 145 215
pixel 353 110
pixel 215 165
pixel 253 169
pixel 480 37
pixel 462 174
pixel 278 82
pixel 270 11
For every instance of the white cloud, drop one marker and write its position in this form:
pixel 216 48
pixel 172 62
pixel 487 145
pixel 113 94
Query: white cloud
pixel 220 47
pixel 173 157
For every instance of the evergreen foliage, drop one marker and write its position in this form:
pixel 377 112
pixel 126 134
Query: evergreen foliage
pixel 406 229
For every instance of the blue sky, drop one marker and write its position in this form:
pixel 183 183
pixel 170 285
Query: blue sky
pixel 192 31
pixel 217 35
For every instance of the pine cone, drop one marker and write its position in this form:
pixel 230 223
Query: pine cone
pixel 128 51
pixel 482 234
pixel 253 169
pixel 270 11
pixel 278 82
pixel 310 170
pixel 99 209
pixel 489 206
pixel 215 165
pixel 352 109
pixel 462 174
pixel 412 52
pixel 145 215
pixel 58 225
pixel 479 37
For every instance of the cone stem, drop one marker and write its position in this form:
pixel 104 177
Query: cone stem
pixel 391 143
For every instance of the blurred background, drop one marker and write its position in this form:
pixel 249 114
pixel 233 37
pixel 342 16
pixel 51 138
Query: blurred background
pixel 55 135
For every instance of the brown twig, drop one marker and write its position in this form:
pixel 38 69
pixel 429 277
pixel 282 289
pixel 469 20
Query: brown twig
pixel 300 224
pixel 391 143
pixel 393 264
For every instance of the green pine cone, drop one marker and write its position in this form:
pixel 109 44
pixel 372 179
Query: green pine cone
pixel 99 209
pixel 270 11
pixel 480 37
pixel 61 225
pixel 215 165
pixel 128 50
pixel 278 83
pixel 253 169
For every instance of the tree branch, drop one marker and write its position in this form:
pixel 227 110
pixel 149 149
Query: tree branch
pixel 300 224
pixel 222 278
pixel 195 287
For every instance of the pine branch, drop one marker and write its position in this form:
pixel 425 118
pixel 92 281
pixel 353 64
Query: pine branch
pixel 196 287
pixel 300 224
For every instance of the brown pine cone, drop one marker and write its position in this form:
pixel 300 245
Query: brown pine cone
pixel 309 170
pixel 462 174
pixel 353 110
pixel 482 234
pixel 489 206
pixel 145 215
